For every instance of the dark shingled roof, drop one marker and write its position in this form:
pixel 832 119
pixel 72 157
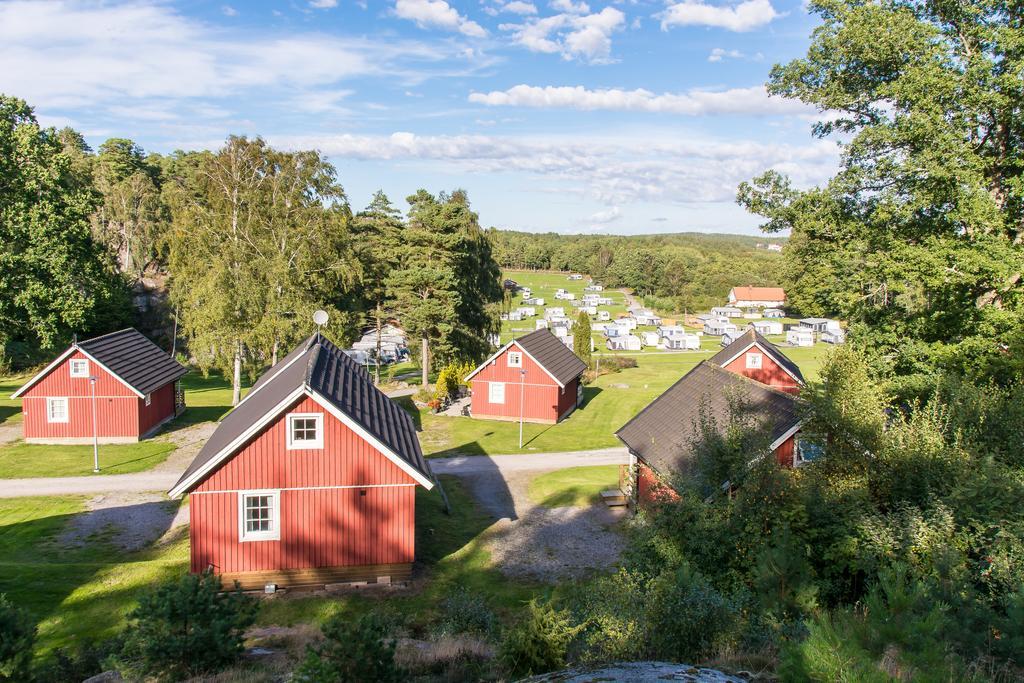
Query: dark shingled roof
pixel 143 365
pixel 749 337
pixel 550 352
pixel 662 433
pixel 327 371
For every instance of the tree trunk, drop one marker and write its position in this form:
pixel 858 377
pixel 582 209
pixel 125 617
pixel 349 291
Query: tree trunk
pixel 425 360
pixel 236 376
pixel 273 354
pixel 376 360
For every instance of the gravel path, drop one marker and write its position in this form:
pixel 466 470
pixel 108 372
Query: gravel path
pixel 134 520
pixel 9 432
pixel 529 540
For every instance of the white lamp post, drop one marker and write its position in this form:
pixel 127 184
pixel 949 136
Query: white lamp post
pixel 95 428
pixel 522 398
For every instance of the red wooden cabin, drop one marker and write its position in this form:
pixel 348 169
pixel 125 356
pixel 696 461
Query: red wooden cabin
pixel 751 372
pixel 310 480
pixel 536 377
pixel 136 391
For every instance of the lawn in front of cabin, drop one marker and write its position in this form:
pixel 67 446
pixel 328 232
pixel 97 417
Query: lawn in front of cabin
pixel 573 486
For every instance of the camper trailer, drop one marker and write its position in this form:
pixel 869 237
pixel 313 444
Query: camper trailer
pixel 800 336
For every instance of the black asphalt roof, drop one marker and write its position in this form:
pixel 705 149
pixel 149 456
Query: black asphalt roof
pixel 550 352
pixel 662 434
pixel 143 365
pixel 749 337
pixel 327 371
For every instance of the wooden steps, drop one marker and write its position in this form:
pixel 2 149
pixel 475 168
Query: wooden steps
pixel 614 498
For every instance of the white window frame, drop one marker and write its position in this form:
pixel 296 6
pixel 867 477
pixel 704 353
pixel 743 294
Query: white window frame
pixel 78 363
pixel 149 399
pixel 754 360
pixel 307 444
pixel 490 393
pixel 798 459
pixel 518 356
pixel 272 534
pixel 52 401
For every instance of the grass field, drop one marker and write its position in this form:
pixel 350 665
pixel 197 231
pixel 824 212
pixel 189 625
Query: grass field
pixel 573 486
pixel 609 402
pixel 81 594
pixel 208 399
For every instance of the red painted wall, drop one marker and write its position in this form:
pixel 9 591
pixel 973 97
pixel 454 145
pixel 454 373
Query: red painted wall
pixel 117 406
pixel 784 453
pixel 161 406
pixel 544 400
pixel 320 526
pixel 770 372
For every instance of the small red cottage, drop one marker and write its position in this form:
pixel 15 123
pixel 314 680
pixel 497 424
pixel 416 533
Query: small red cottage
pixel 753 369
pixel 536 377
pixel 310 480
pixel 136 391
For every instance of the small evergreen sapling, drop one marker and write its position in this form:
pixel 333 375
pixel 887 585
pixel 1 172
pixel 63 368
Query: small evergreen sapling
pixel 357 650
pixel 17 637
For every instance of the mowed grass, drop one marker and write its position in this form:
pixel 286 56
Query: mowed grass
pixel 609 402
pixel 573 486
pixel 10 408
pixel 76 594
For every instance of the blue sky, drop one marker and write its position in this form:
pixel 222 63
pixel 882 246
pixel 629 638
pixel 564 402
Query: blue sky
pixel 613 117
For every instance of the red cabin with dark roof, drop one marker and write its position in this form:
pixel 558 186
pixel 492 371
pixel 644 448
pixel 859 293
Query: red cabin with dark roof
pixel 751 370
pixel 535 377
pixel 310 480
pixel 123 379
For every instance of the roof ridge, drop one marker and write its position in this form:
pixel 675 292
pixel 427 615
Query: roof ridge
pixel 107 334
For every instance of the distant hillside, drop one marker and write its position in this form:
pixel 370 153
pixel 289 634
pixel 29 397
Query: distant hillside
pixel 675 272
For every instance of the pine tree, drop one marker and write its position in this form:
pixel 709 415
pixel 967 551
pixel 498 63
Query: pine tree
pixel 581 337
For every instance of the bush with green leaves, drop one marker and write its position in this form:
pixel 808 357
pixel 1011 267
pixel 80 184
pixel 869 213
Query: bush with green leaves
pixel 464 611
pixel 186 627
pixel 688 620
pixel 17 638
pixel 353 650
pixel 538 643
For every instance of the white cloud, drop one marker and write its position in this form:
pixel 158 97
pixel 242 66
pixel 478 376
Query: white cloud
pixel 430 13
pixel 520 7
pixel 718 54
pixel 606 216
pixel 574 36
pixel 323 4
pixel 570 7
pixel 614 171
pixel 696 102
pixel 70 54
pixel 746 16
pixel 228 11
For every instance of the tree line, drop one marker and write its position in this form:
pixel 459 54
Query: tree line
pixel 248 239
pixel 676 272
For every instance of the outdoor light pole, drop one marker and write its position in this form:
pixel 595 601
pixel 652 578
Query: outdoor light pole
pixel 522 396
pixel 95 428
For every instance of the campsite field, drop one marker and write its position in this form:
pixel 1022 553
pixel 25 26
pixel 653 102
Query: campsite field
pixel 609 402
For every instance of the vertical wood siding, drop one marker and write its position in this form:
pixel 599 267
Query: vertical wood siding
pixel 784 453
pixel 161 406
pixel 117 407
pixel 320 527
pixel 543 400
pixel 770 372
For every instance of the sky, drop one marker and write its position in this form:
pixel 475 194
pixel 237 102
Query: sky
pixel 575 116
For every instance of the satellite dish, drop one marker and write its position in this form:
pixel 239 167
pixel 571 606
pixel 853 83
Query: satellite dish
pixel 320 317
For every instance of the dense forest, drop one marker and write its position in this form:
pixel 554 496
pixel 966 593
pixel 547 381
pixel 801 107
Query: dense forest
pixel 674 272
pixel 229 251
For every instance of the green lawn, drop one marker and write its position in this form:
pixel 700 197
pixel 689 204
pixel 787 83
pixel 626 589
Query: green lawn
pixel 574 486
pixel 609 402
pixel 10 408
pixel 20 459
pixel 75 594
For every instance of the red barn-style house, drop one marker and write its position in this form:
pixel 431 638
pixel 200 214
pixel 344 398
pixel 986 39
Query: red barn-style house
pixel 136 391
pixel 310 480
pixel 535 377
pixel 753 372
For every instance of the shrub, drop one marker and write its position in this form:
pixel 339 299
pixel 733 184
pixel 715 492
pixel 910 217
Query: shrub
pixel 17 637
pixel 187 627
pixel 466 612
pixel 688 619
pixel 78 664
pixel 613 609
pixel 357 650
pixel 538 643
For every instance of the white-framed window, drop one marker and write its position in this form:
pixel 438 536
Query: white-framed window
pixel 305 430
pixel 806 451
pixel 149 399
pixel 259 515
pixel 754 361
pixel 496 392
pixel 56 410
pixel 515 359
pixel 79 367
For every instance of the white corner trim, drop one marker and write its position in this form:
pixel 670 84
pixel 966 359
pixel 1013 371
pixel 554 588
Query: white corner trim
pixel 782 439
pixel 418 476
pixel 184 485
